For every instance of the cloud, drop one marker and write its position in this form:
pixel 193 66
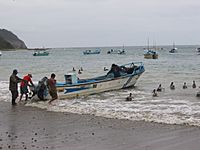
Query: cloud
pixel 100 22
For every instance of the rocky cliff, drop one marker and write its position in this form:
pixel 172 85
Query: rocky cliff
pixel 8 40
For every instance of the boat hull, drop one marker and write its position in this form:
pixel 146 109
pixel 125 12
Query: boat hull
pixel 151 56
pixel 73 87
pixel 94 88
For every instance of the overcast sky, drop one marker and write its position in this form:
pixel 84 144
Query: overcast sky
pixel 71 23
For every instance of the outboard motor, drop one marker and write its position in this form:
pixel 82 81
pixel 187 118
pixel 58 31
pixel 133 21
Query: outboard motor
pixel 41 89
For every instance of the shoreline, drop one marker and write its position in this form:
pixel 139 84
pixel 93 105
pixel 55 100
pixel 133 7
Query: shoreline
pixel 24 127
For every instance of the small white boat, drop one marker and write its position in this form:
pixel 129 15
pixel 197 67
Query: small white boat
pixel 118 77
pixel 117 51
pixel 87 52
pixel 0 53
pixel 174 49
pixel 198 50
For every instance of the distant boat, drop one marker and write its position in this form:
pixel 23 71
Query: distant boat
pixel 40 53
pixel 38 49
pixel 88 52
pixel 198 50
pixel 0 53
pixel 149 53
pixel 174 49
pixel 117 51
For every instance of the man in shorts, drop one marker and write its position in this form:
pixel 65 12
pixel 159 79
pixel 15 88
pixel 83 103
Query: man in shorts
pixel 24 86
pixel 51 84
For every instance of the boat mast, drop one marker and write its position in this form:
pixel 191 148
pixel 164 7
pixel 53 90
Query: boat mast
pixel 148 43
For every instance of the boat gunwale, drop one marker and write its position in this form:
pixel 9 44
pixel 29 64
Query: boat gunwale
pixel 105 79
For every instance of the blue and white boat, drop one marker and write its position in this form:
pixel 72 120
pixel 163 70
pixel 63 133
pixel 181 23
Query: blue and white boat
pixel 87 52
pixel 126 76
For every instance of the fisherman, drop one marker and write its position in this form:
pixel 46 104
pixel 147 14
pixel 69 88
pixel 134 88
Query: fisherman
pixel 154 93
pixel 159 89
pixel 129 98
pixel 81 69
pixel 172 86
pixel 13 85
pixel 184 85
pixel 24 86
pixel 194 85
pixel 51 84
pixel 114 71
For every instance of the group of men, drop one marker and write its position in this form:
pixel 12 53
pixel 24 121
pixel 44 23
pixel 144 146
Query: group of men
pixel 27 81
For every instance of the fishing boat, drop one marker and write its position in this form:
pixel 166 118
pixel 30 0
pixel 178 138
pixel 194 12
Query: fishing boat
pixel 198 50
pixel 87 52
pixel 174 49
pixel 150 54
pixel 40 53
pixel 117 51
pixel 126 76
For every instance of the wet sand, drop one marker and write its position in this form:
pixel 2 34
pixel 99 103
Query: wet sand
pixel 32 128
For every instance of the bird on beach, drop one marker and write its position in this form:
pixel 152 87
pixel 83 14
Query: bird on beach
pixel 105 69
pixel 73 69
pixel 159 89
pixel 172 86
pixel 129 98
pixel 194 85
pixel 79 71
pixel 184 85
pixel 154 93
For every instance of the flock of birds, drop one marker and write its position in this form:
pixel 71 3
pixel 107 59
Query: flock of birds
pixel 160 89
pixel 154 93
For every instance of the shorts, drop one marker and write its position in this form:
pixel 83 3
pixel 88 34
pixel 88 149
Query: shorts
pixel 53 94
pixel 24 90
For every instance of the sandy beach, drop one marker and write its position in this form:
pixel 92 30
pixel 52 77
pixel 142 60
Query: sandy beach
pixel 32 128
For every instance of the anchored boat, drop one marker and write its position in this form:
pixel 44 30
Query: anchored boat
pixel 150 54
pixel 118 77
pixel 87 52
pixel 174 49
pixel 40 53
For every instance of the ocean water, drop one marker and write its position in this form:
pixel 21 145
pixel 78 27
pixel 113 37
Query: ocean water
pixel 179 106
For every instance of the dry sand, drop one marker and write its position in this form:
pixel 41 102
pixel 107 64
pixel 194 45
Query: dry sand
pixel 32 128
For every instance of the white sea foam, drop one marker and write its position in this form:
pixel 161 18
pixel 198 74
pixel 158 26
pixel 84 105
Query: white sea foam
pixel 113 105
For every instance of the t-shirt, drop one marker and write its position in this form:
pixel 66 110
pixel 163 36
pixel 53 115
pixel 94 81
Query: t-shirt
pixel 28 79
